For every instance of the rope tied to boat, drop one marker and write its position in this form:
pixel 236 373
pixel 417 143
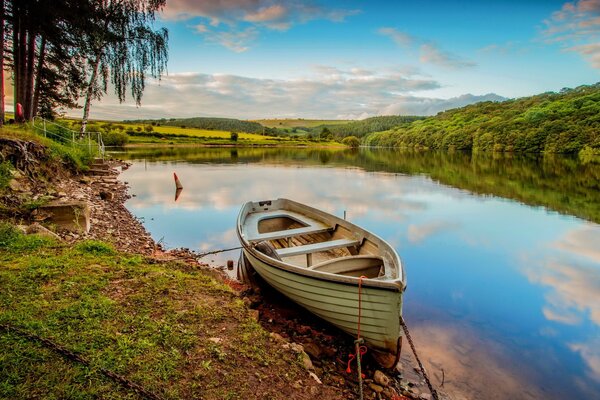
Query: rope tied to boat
pixel 200 255
pixel 359 348
pixel 421 367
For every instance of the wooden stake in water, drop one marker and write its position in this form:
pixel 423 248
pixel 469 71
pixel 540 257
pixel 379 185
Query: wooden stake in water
pixel 178 184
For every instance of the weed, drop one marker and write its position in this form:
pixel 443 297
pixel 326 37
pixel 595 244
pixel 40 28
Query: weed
pixel 13 240
pixel 5 174
pixel 95 247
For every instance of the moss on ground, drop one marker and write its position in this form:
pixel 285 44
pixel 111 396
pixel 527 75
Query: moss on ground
pixel 170 327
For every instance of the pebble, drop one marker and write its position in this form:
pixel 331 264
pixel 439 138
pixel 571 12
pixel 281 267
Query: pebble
pixel 381 378
pixel 376 388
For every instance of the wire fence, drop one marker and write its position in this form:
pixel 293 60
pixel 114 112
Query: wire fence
pixel 90 141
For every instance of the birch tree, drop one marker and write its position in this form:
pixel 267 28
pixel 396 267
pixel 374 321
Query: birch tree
pixel 122 49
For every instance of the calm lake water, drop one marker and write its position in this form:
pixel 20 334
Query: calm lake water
pixel 502 253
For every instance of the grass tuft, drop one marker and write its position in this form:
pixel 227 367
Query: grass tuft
pixel 95 247
pixel 12 239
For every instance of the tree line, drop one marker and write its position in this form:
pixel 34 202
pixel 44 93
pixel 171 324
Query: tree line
pixel 60 51
pixel 365 126
pixel 210 123
pixel 564 122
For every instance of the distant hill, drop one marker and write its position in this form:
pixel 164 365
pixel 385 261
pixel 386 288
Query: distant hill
pixel 365 126
pixel 564 122
pixel 300 123
pixel 217 124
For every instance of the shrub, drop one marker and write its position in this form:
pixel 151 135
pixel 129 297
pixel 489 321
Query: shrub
pixel 351 141
pixel 234 136
pixel 115 139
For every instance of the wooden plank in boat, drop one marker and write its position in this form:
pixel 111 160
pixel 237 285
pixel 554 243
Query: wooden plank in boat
pixel 316 247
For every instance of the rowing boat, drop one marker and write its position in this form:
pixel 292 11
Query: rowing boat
pixel 322 262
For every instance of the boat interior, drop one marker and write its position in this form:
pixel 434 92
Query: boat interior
pixel 318 245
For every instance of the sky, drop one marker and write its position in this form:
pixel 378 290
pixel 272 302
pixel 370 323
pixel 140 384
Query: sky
pixel 253 59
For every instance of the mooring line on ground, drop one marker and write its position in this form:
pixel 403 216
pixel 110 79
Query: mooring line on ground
pixel 72 356
pixel 414 350
pixel 200 255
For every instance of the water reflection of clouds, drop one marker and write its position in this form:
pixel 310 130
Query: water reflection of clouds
pixel 418 233
pixel 459 351
pixel 332 190
pixel 590 352
pixel 584 241
pixel 573 276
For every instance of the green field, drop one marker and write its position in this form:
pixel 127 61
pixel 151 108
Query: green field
pixel 297 123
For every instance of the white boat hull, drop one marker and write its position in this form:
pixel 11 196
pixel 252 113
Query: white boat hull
pixel 337 303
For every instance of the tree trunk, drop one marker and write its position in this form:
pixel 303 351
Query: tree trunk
pixel 1 62
pixel 22 71
pixel 16 56
pixel 28 101
pixel 38 81
pixel 89 94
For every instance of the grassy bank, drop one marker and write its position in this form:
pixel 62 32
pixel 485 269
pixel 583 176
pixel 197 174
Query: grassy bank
pixel 74 157
pixel 170 327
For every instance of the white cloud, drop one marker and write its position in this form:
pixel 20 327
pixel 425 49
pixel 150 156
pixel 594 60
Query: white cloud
pixel 234 23
pixel 429 52
pixel 576 27
pixel 432 54
pixel 330 93
pixel 237 41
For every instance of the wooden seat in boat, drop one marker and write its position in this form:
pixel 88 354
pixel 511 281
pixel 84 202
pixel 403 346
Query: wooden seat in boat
pixel 366 265
pixel 316 247
pixel 310 225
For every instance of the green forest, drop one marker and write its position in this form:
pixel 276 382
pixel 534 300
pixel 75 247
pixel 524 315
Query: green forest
pixel 217 124
pixel 564 122
pixel 366 126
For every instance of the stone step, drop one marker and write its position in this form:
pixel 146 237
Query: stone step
pixel 99 166
pixel 97 171
pixel 70 215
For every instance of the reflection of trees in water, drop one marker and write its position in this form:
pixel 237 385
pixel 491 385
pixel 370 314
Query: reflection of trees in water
pixel 559 183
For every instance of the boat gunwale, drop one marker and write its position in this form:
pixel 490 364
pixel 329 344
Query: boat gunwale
pixel 397 284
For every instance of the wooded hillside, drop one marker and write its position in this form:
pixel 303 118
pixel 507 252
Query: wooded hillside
pixel 565 122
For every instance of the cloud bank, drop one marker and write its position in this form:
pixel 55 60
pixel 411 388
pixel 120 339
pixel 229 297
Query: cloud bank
pixel 331 93
pixel 576 27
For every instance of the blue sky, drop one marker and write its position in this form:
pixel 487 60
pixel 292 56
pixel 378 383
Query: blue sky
pixel 354 59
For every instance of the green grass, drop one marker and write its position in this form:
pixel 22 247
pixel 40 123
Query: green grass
pixel 297 123
pixel 74 157
pixel 151 322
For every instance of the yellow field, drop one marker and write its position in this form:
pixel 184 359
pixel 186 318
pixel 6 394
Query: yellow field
pixel 293 123
pixel 177 130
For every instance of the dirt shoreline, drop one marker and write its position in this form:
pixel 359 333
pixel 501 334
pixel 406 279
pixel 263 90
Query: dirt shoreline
pixel 323 349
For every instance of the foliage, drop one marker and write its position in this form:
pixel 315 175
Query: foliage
pixel 368 125
pixel 13 240
pixel 5 174
pixel 115 138
pixel 562 122
pixel 351 141
pixel 234 136
pixel 221 124
pixel 95 247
